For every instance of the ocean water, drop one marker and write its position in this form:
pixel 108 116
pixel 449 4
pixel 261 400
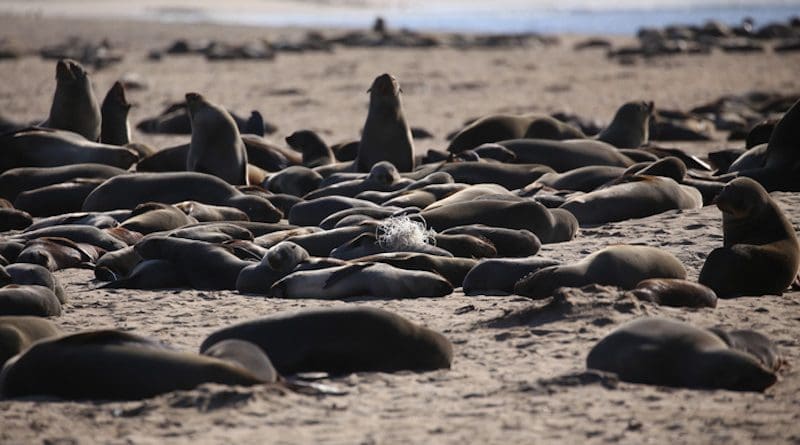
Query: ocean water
pixel 509 16
pixel 482 16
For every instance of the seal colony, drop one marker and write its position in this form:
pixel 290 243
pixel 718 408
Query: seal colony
pixel 384 228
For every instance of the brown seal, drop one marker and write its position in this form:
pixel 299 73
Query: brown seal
pixel 74 105
pixel 216 147
pixel 760 253
pixel 386 135
pixel 115 128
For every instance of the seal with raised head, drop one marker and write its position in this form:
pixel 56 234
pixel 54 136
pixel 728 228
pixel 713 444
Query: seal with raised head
pixel 342 340
pixel 760 253
pixel 216 147
pixel 630 126
pixel 386 135
pixel 114 365
pixel 315 151
pixel 659 351
pixel 74 105
pixel 622 266
pixel 115 128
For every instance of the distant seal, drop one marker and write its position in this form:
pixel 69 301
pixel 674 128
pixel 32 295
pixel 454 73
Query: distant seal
pixel 658 351
pixel 115 128
pixel 114 365
pixel 342 340
pixel 29 299
pixel 203 265
pixel 622 266
pixel 386 135
pixel 45 147
pixel 632 197
pixel 497 276
pixel 501 127
pixel 128 191
pixel 760 253
pixel 17 333
pixel 675 292
pixel 376 280
pixel 315 151
pixel 216 147
pixel 630 126
pixel 74 105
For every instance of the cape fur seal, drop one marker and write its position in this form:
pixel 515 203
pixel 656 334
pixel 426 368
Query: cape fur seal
pixel 386 135
pixel 362 280
pixel 658 351
pixel 315 151
pixel 342 340
pixel 566 155
pixel 114 365
pixel 46 147
pixel 501 127
pixel 74 105
pixel 17 180
pixel 128 191
pixel 630 126
pixel 278 262
pixel 497 276
pixel 632 197
pixel 675 292
pixel 622 266
pixel 17 333
pixel 760 253
pixel 216 147
pixel 29 299
pixel 115 128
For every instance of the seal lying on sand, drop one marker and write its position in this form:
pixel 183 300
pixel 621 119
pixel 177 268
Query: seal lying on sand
pixel 760 253
pixel 342 340
pixel 658 351
pixel 623 266
pixel 114 365
pixel 17 333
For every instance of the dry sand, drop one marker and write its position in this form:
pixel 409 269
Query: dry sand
pixel 500 388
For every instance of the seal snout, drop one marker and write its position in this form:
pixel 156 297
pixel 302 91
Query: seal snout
pixel 64 70
pixel 385 85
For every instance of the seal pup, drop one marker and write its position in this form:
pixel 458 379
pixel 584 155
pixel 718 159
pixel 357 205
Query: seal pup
pixel 216 147
pixel 622 266
pixel 657 351
pixel 760 253
pixel 342 340
pixel 18 332
pixel 296 180
pixel 376 280
pixel 74 106
pixel 115 128
pixel 386 135
pixel 114 365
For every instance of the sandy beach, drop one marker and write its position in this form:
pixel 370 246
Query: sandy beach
pixel 507 384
